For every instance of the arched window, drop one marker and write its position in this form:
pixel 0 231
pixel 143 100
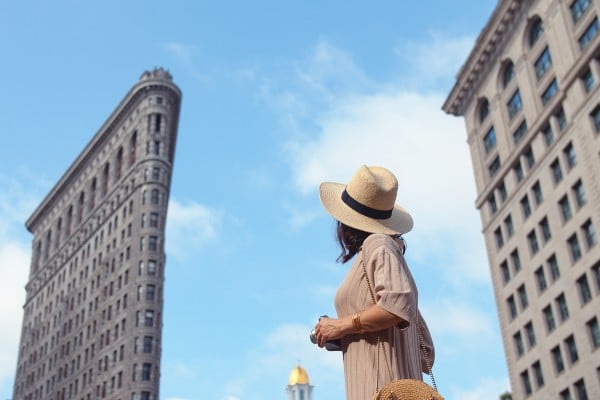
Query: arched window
pixel 92 202
pixel 132 148
pixel 105 175
pixel 508 73
pixel 535 32
pixel 484 110
pixel 119 164
pixel 80 207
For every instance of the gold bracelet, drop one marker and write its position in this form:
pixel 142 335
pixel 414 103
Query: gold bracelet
pixel 356 323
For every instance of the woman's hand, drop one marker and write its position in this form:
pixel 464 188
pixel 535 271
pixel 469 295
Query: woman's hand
pixel 331 329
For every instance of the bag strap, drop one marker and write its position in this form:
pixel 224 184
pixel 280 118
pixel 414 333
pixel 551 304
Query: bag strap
pixel 421 340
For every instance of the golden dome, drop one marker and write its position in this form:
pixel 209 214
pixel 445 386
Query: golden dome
pixel 298 376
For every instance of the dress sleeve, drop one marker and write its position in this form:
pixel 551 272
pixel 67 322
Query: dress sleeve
pixel 393 285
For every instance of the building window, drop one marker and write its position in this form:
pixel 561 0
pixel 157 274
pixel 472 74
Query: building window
pixel 525 207
pixel 563 310
pixel 151 267
pixel 596 118
pixel 484 110
pixel 520 349
pixel 520 132
pixel 155 196
pixel 579 193
pixel 571 349
pixel 578 8
pixel 540 278
pixel 530 334
pixel 538 374
pixel 508 74
pixel 588 81
pixel 553 266
pixel 145 395
pixel 492 203
pixel 502 191
pixel 529 158
pixel 536 32
pixel 570 156
pixel 523 297
pixel 556 171
pixel 499 238
pixel 574 248
pixel 132 148
pixel 561 118
pixel 514 105
pixel 537 193
pixel 545 228
pixel 505 271
pixel 149 318
pixel 526 383
pixel 152 243
pixel 516 260
pixel 559 364
pixel 489 140
pixel 590 234
pixel 565 208
pixel 549 318
pixel 150 292
pixel 548 135
pixel 580 390
pixel 594 331
pixel 550 91
pixel 494 166
pixel 512 306
pixel 518 170
pixel 508 224
pixel 147 344
pixel 146 368
pixel 534 246
pixel 585 294
pixel 119 164
pixel 543 63
pixel 589 34
pixel 154 220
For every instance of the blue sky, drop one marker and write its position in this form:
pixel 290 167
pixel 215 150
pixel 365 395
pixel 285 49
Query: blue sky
pixel 277 97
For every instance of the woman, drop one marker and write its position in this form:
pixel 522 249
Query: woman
pixel 377 303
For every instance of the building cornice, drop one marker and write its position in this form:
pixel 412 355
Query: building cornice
pixel 488 44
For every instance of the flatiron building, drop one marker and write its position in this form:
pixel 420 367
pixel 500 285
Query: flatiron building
pixel 94 297
pixel 530 99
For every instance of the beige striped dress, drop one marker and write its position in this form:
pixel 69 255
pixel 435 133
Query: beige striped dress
pixel 366 364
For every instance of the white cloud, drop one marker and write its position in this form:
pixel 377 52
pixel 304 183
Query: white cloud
pixel 468 323
pixel 190 226
pixel 14 269
pixel 281 350
pixel 448 55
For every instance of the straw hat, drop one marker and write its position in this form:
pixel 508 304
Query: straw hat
pixel 367 202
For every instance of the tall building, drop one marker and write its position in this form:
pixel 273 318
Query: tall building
pixel 94 298
pixel 530 99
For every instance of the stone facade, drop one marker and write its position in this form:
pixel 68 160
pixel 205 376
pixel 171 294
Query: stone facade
pixel 530 99
pixel 93 310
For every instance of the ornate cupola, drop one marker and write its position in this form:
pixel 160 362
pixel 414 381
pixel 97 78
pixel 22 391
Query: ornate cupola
pixel 299 387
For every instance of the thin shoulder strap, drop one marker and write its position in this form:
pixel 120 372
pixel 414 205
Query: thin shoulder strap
pixel 421 340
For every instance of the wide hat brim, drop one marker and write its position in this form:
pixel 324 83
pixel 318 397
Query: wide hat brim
pixel 398 223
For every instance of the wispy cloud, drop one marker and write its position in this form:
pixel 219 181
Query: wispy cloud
pixel 190 227
pixel 184 54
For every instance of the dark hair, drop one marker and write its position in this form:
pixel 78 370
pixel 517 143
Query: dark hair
pixel 350 240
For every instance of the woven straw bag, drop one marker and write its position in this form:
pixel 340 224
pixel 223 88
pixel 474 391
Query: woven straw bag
pixel 405 389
